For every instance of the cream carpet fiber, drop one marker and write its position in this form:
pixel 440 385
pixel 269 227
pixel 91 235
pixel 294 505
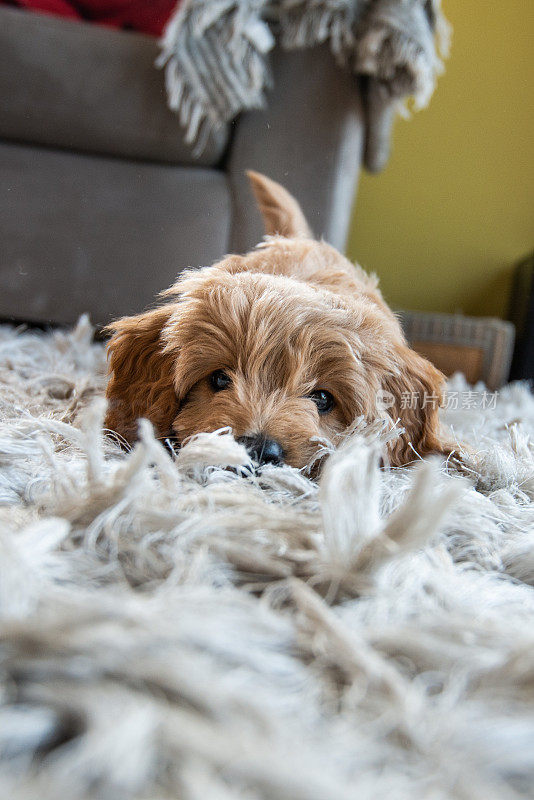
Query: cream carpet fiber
pixel 170 628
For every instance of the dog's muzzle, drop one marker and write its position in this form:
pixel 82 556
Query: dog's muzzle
pixel 263 450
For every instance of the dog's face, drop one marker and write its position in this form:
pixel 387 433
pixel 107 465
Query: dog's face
pixel 287 346
pixel 268 356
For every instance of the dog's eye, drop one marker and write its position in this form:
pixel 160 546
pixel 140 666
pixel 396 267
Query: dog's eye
pixel 323 400
pixel 219 380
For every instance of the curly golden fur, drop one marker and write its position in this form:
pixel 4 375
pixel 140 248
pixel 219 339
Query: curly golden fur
pixel 289 319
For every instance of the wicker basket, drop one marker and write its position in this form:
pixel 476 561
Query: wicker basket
pixel 479 347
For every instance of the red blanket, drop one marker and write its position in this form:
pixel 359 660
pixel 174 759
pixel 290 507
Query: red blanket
pixel 148 16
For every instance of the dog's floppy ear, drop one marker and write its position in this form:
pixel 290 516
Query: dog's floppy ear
pixel 141 375
pixel 415 394
pixel 281 213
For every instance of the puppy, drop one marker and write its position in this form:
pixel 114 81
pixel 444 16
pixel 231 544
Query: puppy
pixel 286 345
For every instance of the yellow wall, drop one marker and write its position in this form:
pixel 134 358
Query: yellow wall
pixel 444 223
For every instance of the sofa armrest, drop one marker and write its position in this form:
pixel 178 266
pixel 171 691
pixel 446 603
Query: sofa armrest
pixel 309 138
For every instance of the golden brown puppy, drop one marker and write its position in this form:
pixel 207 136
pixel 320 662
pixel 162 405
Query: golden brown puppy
pixel 286 344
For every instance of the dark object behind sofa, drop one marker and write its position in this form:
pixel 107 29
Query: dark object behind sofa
pixel 522 315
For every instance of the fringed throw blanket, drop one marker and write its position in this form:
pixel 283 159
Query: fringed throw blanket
pixel 215 54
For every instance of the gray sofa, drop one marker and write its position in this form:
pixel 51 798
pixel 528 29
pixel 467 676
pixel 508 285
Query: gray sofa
pixel 101 202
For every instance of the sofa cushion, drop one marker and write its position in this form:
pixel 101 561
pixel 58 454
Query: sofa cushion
pixel 133 15
pixel 104 235
pixel 88 88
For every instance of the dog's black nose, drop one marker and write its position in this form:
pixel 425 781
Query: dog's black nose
pixel 263 450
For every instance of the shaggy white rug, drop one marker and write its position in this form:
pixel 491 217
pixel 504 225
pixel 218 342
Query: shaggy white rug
pixel 174 629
